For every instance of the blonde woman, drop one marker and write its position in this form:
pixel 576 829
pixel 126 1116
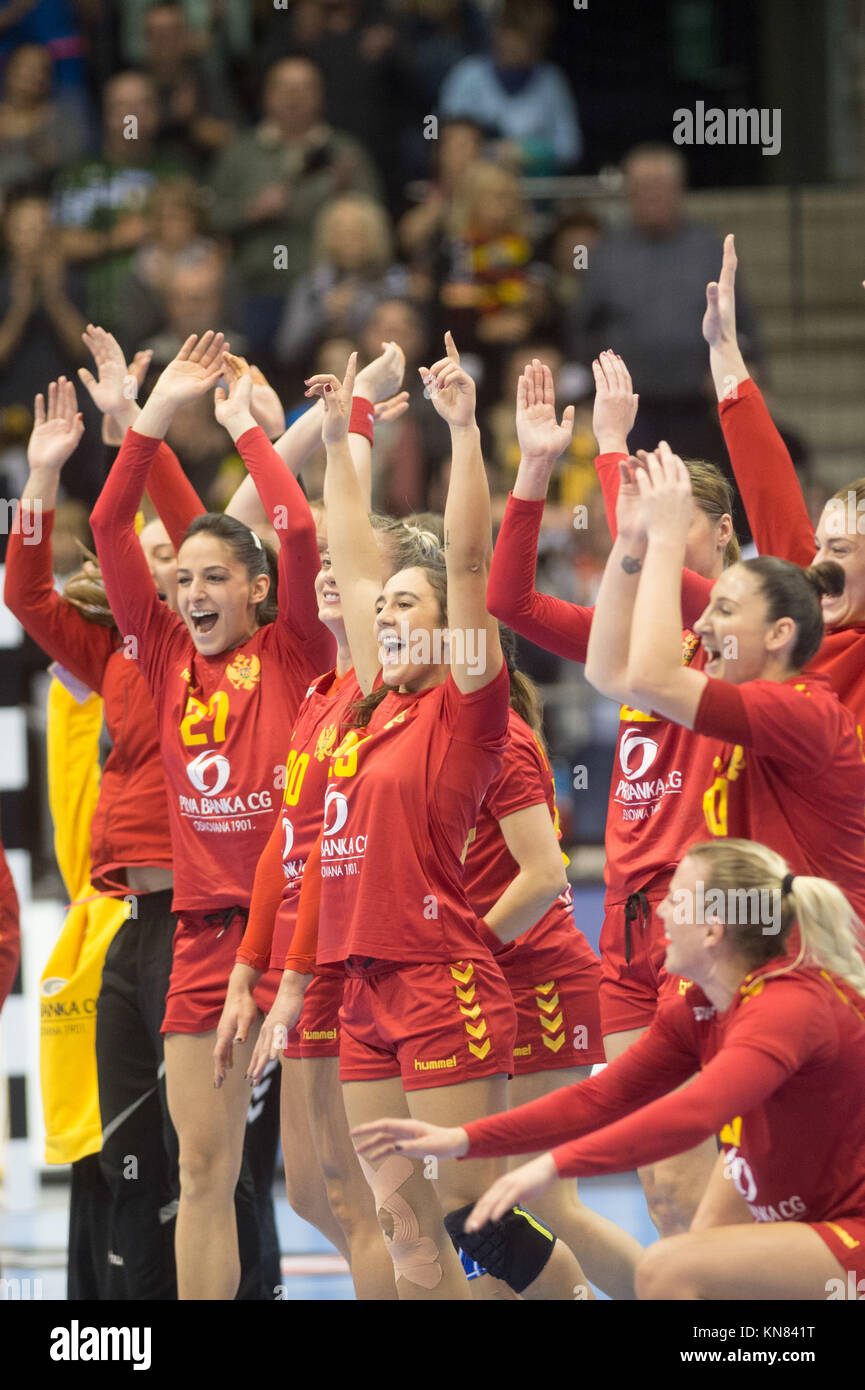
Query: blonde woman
pixel 776 1045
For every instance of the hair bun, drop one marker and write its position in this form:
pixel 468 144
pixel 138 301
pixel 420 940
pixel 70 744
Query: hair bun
pixel 827 578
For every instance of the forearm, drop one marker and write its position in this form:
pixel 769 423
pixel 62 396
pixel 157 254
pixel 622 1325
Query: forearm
pixel 533 479
pixel 728 367
pixel 172 494
pixel 522 904
pixel 156 415
pixel 12 330
pixel 41 487
pixel 350 537
pixel 615 606
pixel 655 661
pixel 301 439
pixel 467 518
pixel 68 323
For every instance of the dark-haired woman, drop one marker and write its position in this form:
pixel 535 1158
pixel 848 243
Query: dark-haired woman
pixel 427 1021
pixel 787 762
pixel 225 677
pixel 775 1044
pixel 515 881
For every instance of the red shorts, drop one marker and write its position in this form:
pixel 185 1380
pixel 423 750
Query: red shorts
pixel 433 1025
pixel 558 1019
pixel 632 962
pixel 204 955
pixel 317 1033
pixel 846 1239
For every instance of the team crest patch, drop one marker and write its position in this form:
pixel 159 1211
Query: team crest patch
pixel 244 672
pixel 326 742
pixel 689 648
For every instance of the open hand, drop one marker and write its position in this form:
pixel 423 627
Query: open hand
pixel 414 1138
pixel 194 371
pixel 56 432
pixel 719 320
pixel 233 407
pixel 541 437
pixel 512 1190
pixel 116 384
pixel 615 404
pixel 665 491
pixel 382 378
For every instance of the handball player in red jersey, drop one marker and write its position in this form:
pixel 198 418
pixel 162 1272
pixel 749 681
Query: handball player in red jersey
pixel 776 1046
pixel 427 1021
pixel 225 676
pixel 323 1177
pixel 660 768
pixel 774 503
pixel 513 867
pixel 787 757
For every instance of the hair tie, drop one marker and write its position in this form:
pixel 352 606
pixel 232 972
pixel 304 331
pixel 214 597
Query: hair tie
pixel 256 538
pixel 787 884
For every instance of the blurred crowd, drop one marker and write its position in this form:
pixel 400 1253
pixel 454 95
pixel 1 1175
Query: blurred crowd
pixel 313 175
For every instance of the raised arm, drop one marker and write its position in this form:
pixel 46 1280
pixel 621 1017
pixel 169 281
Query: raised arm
pixel 764 471
pixel 288 512
pixel 143 620
pixel 610 638
pixel 57 626
pixel 351 541
pixel 468 528
pixel 114 391
pixel 656 677
pixel 550 622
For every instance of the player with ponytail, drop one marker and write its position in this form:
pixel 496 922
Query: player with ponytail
pixel 772 1031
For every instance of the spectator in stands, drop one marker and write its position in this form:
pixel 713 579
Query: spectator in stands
pixel 353 250
pixel 569 248
pixel 409 451
pixel 175 241
pixel 366 69
pixel 222 28
pixel 645 295
pixel 36 136
pixel 54 25
pixel 514 92
pixel 100 202
pixel 422 229
pixel 491 293
pixel 196 113
pixel 194 294
pixel 270 184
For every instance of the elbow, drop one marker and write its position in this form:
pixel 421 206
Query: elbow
pixel 611 683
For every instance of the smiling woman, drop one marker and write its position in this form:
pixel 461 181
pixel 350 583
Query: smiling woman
pixel 226 582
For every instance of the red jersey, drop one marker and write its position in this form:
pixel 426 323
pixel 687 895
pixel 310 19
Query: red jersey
pixel 402 798
pixel 526 779
pixel 219 717
pixel 660 769
pixel 10 929
pixel 279 875
pixel 780 525
pixel 781 1076
pixel 130 823
pixel 790 775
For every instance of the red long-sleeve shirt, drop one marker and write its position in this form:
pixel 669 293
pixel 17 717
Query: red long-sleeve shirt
pixel 781 526
pixel 783 1072
pixel 10 930
pixel 221 719
pixel 130 823
pixel 660 770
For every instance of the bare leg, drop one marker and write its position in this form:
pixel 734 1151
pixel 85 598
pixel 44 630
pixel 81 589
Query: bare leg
pixel 674 1187
pixel 608 1254
pixel 347 1191
pixel 304 1184
pixel 721 1204
pixel 459 1184
pixel 765 1260
pixel 407 1206
pixel 210 1128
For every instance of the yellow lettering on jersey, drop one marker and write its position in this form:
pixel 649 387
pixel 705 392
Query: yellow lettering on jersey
pixel 215 709
pixel 472 835
pixel 628 714
pixel 715 797
pixel 295 769
pixel 732 1133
